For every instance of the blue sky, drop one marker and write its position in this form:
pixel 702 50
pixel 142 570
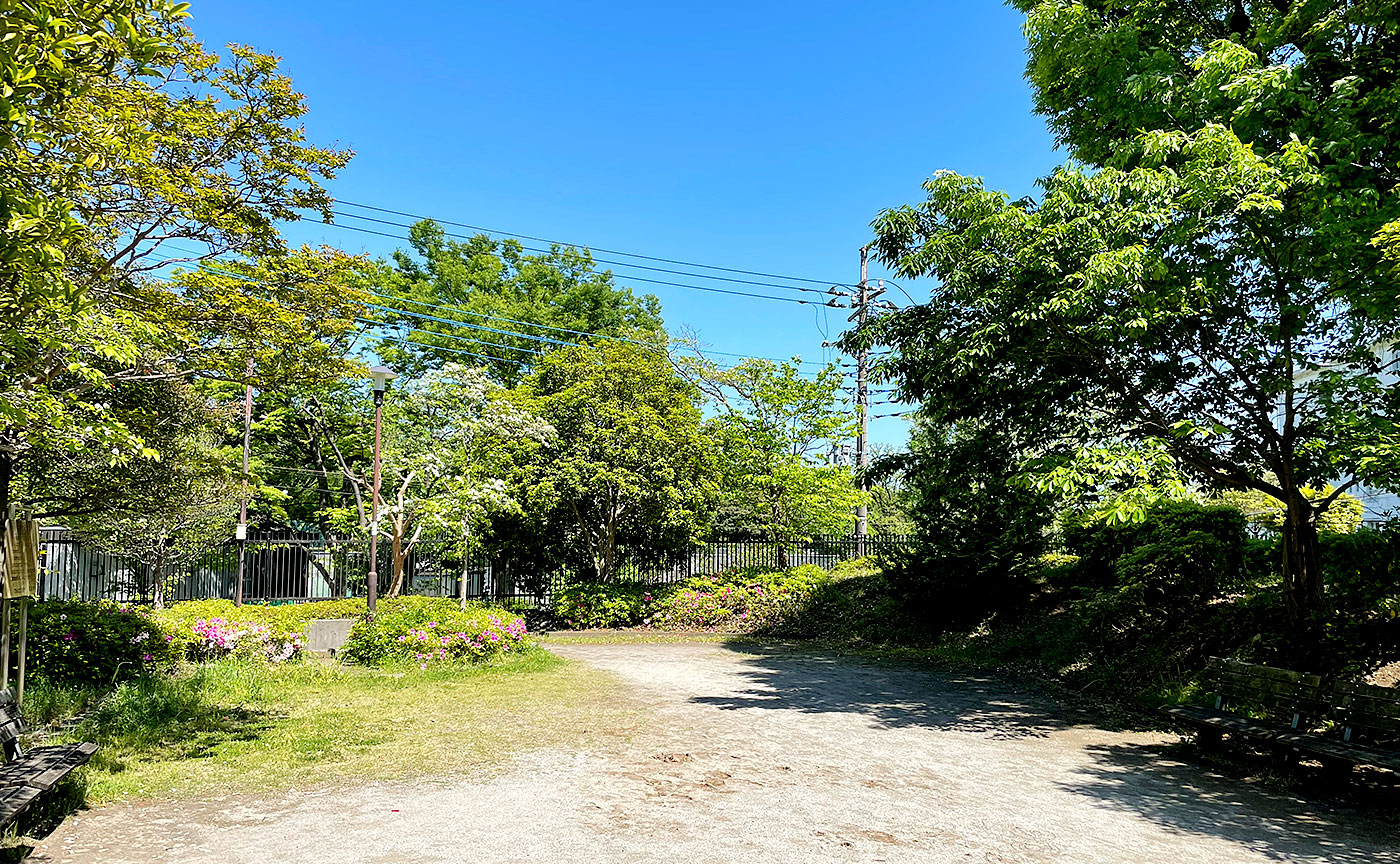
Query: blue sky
pixel 761 136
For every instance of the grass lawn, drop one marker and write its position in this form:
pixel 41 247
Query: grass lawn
pixel 639 637
pixel 248 727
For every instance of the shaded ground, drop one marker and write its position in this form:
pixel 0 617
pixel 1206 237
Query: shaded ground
pixel 773 756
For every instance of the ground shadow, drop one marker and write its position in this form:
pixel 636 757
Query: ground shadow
pixel 1150 781
pixel 890 694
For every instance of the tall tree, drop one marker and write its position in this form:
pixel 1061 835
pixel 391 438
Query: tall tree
pixel 53 53
pixel 1206 273
pixel 447 300
pixel 153 142
pixel 628 477
pixel 773 427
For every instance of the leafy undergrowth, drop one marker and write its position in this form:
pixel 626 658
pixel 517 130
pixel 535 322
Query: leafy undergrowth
pixel 246 726
pixel 746 600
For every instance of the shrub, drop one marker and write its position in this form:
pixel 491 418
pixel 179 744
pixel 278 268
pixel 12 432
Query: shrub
pixel 742 599
pixel 978 532
pixel 215 638
pixel 426 630
pixel 734 601
pixel 1172 574
pixel 97 642
pixel 1100 543
pixel 1260 564
pixel 617 604
pixel 1362 571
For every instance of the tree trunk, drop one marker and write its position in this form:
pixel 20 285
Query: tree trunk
pixel 398 556
pixel 7 473
pixel 1302 565
pixel 158 584
pixel 466 564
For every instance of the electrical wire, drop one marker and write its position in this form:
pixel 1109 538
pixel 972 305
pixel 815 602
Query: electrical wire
pixel 584 245
pixel 455 310
pixel 470 326
pixel 602 260
pixel 711 290
pixel 444 335
pixel 507 320
pixel 455 351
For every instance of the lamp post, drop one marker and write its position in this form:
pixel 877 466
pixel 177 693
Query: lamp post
pixel 381 376
pixel 242 534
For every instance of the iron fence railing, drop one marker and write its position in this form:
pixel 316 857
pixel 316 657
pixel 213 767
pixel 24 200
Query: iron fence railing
pixel 293 566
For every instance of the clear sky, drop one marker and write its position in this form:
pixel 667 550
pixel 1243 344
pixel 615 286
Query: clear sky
pixel 761 135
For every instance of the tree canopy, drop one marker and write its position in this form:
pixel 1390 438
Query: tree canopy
pixel 490 302
pixel 628 476
pixel 772 427
pixel 147 144
pixel 1208 271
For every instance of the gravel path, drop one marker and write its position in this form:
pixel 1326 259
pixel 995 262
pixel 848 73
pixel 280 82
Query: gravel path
pixel 773 757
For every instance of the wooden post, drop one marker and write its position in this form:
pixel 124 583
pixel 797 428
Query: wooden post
pixel 23 640
pixel 5 643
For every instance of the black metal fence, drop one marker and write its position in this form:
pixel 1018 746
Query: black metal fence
pixel 294 567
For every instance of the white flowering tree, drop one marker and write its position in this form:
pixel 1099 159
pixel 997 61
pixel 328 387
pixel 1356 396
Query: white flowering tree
pixel 444 457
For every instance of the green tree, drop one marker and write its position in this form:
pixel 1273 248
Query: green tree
pixel 475 295
pixel 1206 272
pixel 977 531
pixel 51 54
pixel 162 144
pixel 167 512
pixel 1343 517
pixel 773 428
pixel 891 505
pixel 629 476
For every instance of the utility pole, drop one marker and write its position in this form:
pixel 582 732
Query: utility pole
pixel 243 509
pixel 862 304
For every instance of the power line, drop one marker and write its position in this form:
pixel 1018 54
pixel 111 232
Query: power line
pixel 455 351
pixel 469 325
pixel 205 263
pixel 445 335
pixel 508 320
pixel 425 317
pixel 740 271
pixel 601 260
pixel 728 291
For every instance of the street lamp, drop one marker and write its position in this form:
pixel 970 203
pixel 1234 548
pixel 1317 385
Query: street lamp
pixel 242 535
pixel 381 375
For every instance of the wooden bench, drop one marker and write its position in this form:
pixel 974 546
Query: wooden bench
pixel 1369 719
pixel 1242 686
pixel 25 775
pixel 1367 716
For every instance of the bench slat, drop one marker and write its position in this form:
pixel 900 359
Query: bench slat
pixel 1357 754
pixel 1232 723
pixel 1367 706
pixel 43 767
pixel 15 799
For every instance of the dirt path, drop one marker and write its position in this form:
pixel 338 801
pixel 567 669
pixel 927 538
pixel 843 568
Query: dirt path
pixel 773 757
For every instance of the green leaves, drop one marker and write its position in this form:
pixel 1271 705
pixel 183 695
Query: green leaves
pixel 773 425
pixel 476 295
pixel 628 476
pixel 125 139
pixel 1210 271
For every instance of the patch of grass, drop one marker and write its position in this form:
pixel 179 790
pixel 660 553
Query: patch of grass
pixel 637 637
pixel 247 727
